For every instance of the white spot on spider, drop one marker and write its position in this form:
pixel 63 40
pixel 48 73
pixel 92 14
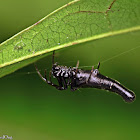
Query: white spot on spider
pixel 73 73
pixel 67 37
pixel 62 73
pixel 66 75
pixel 58 73
pixel 111 84
pixel 58 43
pixel 56 68
pixel 69 72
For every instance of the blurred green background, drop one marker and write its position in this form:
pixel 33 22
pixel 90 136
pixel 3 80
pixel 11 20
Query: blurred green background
pixel 32 110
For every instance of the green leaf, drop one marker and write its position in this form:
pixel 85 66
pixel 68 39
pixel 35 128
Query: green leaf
pixel 74 23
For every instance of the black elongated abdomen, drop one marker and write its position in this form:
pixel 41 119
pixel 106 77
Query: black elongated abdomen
pixel 96 80
pixel 103 82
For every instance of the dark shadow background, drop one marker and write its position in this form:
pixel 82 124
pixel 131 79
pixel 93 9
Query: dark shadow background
pixel 32 110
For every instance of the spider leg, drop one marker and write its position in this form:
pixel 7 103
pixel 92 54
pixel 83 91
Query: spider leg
pixel 73 88
pixel 73 79
pixel 77 65
pixel 46 80
pixel 50 75
pixel 45 74
pixel 90 74
pixel 98 65
pixel 64 83
pixel 59 87
pixel 73 84
pixel 59 79
pixel 68 82
pixel 53 57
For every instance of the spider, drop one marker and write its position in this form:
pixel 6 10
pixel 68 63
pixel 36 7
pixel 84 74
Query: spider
pixel 78 78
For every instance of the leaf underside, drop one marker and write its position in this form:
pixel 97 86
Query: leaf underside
pixel 76 22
